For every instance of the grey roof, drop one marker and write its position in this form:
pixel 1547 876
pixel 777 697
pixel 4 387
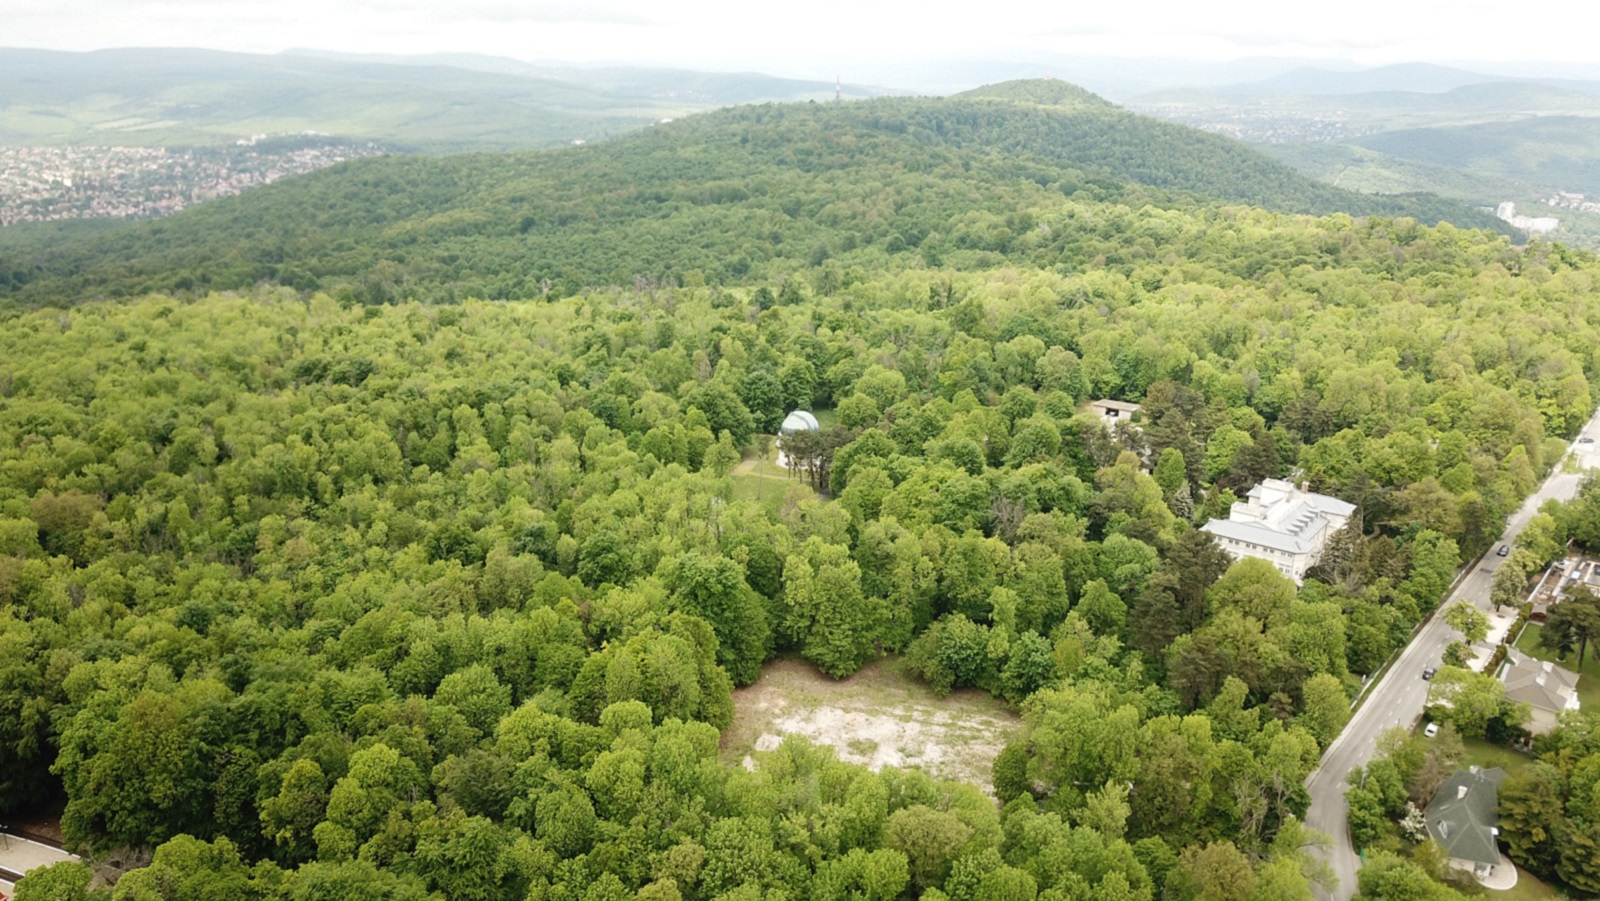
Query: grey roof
pixel 1463 822
pixel 1332 504
pixel 1258 533
pixel 1122 405
pixel 1282 517
pixel 1521 677
pixel 1321 503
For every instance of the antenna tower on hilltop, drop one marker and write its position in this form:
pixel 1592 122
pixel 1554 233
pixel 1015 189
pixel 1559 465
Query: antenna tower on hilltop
pixel 838 88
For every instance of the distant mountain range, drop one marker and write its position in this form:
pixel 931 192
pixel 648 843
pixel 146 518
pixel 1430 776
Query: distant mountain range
pixel 1478 137
pixel 1406 78
pixel 1411 77
pixel 708 88
pixel 149 97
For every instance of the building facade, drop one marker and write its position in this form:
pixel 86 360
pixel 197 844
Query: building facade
pixel 1282 524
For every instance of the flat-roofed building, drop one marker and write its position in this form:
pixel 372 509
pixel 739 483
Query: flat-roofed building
pixel 1112 412
pixel 1282 524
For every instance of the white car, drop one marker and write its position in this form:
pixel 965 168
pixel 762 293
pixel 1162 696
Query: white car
pixel 1431 731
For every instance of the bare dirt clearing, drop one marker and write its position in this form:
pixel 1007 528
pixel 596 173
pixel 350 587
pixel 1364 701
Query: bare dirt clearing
pixel 878 717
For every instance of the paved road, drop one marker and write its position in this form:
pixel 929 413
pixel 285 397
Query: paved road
pixel 1398 698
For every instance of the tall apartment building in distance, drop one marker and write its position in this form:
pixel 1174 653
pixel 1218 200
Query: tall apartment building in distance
pixel 1281 524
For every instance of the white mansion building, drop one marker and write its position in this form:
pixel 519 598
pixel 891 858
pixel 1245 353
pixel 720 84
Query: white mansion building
pixel 1283 525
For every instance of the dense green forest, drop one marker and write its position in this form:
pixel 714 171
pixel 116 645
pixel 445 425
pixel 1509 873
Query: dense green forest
pixel 1552 152
pixel 325 599
pixel 732 197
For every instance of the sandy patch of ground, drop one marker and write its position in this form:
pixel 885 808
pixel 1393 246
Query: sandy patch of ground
pixel 877 718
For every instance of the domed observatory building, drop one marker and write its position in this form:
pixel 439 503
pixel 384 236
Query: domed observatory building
pixel 795 423
pixel 798 421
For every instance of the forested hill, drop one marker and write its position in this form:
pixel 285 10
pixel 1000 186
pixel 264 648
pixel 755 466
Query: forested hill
pixel 738 194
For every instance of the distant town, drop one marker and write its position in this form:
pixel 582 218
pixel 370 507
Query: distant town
pixel 43 184
pixel 1571 201
pixel 1533 225
pixel 1260 126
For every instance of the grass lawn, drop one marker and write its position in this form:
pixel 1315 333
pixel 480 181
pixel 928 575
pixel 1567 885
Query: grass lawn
pixel 763 480
pixel 1528 888
pixel 1484 754
pixel 1588 677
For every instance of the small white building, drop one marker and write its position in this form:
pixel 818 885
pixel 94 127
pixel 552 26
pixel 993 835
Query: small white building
pixel 1282 524
pixel 1112 412
pixel 1538 225
pixel 796 421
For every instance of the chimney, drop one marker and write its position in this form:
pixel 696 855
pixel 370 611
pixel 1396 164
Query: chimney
pixel 1539 679
pixel 1461 792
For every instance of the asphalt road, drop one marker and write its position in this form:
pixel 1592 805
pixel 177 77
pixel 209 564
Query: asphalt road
pixel 1398 698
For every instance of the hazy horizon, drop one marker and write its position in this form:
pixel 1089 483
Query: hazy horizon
pixel 825 38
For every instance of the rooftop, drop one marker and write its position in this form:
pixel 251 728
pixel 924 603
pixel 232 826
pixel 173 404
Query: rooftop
pixel 1279 515
pixel 1261 534
pixel 1461 817
pixel 798 421
pixel 1541 684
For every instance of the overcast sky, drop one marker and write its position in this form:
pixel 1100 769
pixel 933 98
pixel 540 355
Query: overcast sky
pixel 820 37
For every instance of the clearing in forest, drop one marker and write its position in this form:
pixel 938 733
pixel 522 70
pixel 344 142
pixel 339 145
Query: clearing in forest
pixel 764 480
pixel 878 717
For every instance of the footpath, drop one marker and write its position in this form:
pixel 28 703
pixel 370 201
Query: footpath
pixel 19 855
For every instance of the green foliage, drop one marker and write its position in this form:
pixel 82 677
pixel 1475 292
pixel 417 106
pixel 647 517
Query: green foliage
pixel 1470 700
pixel 65 881
pixel 1388 876
pixel 346 601
pixel 1467 619
pixel 902 182
pixel 1544 818
pixel 1500 150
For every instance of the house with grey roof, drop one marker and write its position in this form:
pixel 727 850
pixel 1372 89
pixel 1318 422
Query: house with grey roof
pixel 1462 819
pixel 1547 689
pixel 1283 524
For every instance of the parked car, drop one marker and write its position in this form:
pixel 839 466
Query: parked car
pixel 1431 731
pixel 1504 550
pixel 1427 673
pixel 1585 440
